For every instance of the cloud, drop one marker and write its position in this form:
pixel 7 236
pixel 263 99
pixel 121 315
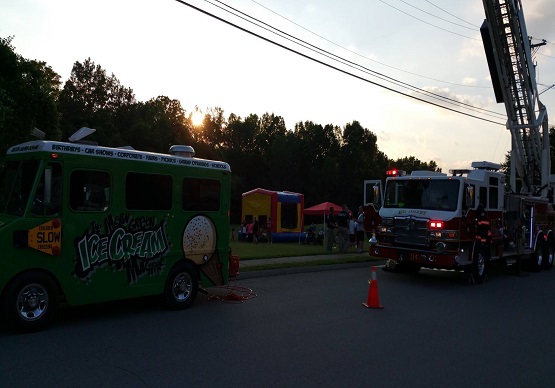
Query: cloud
pixel 469 81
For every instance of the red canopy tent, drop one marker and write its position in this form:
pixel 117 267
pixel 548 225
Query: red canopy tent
pixel 321 209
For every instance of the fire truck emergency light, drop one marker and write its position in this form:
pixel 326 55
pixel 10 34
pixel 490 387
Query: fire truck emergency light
pixel 395 172
pixel 436 224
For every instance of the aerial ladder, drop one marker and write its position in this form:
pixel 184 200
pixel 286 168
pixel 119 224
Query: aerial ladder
pixel 468 220
pixel 509 54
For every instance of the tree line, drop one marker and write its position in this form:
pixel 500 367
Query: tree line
pixel 323 162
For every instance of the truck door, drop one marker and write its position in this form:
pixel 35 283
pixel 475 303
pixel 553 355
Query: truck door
pixel 373 201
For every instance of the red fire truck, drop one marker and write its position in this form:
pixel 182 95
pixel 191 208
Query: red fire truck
pixel 430 219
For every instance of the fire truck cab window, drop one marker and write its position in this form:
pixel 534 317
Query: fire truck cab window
pixel 493 193
pixel 483 197
pixel 423 194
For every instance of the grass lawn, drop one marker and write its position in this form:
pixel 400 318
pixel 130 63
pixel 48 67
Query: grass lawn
pixel 248 251
pixel 365 258
pixel 263 250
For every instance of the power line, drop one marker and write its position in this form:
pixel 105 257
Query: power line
pixel 456 17
pixel 369 59
pixel 355 65
pixel 425 22
pixel 329 65
pixel 545 55
pixel 438 17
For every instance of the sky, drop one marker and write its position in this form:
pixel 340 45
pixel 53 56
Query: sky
pixel 166 48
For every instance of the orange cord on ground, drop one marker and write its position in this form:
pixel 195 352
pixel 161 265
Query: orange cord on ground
pixel 235 294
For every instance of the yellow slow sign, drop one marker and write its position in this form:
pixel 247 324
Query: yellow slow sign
pixel 46 237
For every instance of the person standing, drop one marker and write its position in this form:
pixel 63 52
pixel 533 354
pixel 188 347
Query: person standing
pixel 269 230
pixel 331 223
pixel 352 232
pixel 343 228
pixel 255 230
pixel 360 229
pixel 249 231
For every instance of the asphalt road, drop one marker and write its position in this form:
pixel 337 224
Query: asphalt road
pixel 305 329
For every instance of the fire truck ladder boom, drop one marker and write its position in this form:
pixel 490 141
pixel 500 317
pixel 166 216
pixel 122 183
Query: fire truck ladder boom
pixel 514 78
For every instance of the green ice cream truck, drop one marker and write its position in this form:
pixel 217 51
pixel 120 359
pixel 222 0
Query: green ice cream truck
pixel 81 224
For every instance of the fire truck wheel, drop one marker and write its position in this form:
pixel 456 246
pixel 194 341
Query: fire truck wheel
pixel 537 259
pixel 181 286
pixel 30 302
pixel 548 255
pixel 480 265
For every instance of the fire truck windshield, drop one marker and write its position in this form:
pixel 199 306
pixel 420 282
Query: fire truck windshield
pixel 430 194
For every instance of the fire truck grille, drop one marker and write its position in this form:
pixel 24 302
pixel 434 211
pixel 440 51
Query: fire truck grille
pixel 411 231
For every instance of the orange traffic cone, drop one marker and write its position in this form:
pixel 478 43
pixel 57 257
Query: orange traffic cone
pixel 373 298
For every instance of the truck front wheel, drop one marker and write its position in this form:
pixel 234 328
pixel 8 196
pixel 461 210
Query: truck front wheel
pixel 30 302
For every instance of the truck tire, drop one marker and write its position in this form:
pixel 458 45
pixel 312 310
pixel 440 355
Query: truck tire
pixel 537 259
pixel 181 286
pixel 480 263
pixel 30 302
pixel 548 255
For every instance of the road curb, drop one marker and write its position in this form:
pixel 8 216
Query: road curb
pixel 308 268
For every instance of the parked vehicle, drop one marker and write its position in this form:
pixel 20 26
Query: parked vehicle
pixel 81 223
pixel 434 220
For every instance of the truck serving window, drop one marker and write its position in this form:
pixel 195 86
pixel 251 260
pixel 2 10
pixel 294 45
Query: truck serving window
pixel 427 194
pixel 89 190
pixel 201 194
pixel 148 191
pixel 16 182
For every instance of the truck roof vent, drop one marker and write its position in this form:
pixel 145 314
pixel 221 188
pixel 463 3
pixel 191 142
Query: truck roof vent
pixel 489 166
pixel 182 150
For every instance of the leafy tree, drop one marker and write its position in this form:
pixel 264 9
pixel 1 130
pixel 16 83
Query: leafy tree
pixel 156 125
pixel 28 93
pixel 324 162
pixel 360 160
pixel 211 132
pixel 314 163
pixel 91 98
pixel 410 164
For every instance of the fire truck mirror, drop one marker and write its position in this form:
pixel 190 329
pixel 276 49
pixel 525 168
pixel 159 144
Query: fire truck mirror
pixel 469 197
pixel 377 196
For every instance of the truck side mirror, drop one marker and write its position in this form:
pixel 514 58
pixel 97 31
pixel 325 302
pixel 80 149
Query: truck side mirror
pixel 377 196
pixel 469 197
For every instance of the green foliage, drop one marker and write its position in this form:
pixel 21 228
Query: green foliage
pixel 28 97
pixel 248 251
pixel 90 98
pixel 410 164
pixel 324 162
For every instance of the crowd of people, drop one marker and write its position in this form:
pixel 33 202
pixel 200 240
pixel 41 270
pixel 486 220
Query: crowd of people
pixel 345 229
pixel 251 231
